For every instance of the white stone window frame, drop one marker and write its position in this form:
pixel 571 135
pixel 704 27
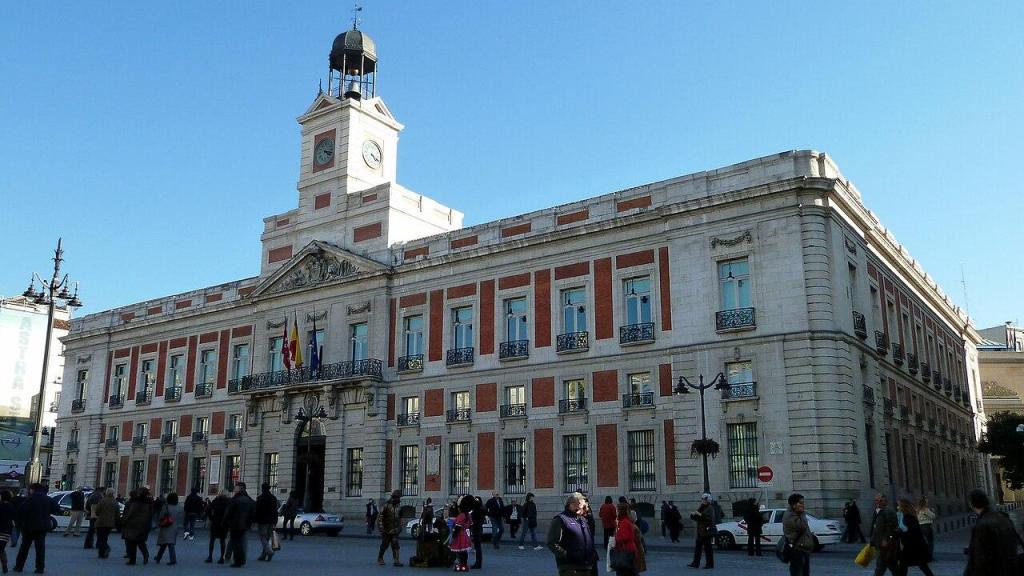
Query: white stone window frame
pixel 446 462
pixel 408 312
pixel 169 380
pixel 140 385
pixel 628 383
pixel 559 449
pixel 350 337
pixel 562 393
pixel 619 277
pixel 232 366
pixel 723 256
pixel 448 331
pixel 405 406
pixel 579 282
pixel 114 432
pixel 82 383
pixel 531 312
pixel 623 471
pixel 200 364
pixel 505 399
pixel 119 388
pixel 527 459
pixel 450 401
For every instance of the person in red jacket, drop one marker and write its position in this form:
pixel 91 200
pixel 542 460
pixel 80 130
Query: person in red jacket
pixel 625 539
pixel 607 514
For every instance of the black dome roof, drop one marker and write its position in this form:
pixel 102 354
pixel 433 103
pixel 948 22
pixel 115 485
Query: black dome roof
pixel 352 43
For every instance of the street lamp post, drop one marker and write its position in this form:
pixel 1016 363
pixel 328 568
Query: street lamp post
pixel 683 386
pixel 49 292
pixel 317 413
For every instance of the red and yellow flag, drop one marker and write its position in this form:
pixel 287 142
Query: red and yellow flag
pixel 296 348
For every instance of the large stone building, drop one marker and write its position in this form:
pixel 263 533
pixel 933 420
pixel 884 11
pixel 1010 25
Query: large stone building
pixel 539 353
pixel 1001 365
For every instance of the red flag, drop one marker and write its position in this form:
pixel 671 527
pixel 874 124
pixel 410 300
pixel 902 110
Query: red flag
pixel 285 348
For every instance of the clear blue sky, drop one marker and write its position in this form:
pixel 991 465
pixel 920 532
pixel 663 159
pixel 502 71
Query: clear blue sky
pixel 154 137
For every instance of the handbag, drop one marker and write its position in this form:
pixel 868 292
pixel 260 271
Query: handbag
pixel 275 541
pixel 621 560
pixel 865 556
pixel 165 521
pixel 784 550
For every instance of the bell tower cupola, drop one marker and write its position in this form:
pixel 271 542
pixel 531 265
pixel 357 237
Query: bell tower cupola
pixel 352 71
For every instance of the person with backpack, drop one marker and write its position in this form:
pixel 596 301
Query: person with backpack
pixel 704 516
pixel 529 523
pixel 799 535
pixel 755 523
pixel 167 529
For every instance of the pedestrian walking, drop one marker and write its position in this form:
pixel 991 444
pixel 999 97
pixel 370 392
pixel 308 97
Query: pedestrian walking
pixel 799 535
pixel 664 518
pixel 529 523
pixel 912 545
pixel 136 522
pixel 674 521
pixel 476 531
pixel 290 510
pixel 623 556
pixel 34 519
pixel 167 529
pixel 461 527
pixel 7 514
pixel 371 515
pixel 926 517
pixel 571 540
pixel 17 500
pixel 755 524
pixel 216 516
pixel 851 515
pixel 704 516
pixel 90 516
pixel 266 520
pixel 390 527
pixel 608 514
pixel 106 512
pixel 193 512
pixel 496 512
pixel 238 519
pixel 77 499
pixel 883 537
pixel 993 548
pixel 514 514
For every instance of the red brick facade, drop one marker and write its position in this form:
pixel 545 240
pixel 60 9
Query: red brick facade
pixel 607 456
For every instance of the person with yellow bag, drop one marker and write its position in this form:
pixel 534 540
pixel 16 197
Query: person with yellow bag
pixel 865 556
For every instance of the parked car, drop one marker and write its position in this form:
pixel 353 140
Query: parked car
pixel 412 527
pixel 309 522
pixel 733 534
pixel 63 500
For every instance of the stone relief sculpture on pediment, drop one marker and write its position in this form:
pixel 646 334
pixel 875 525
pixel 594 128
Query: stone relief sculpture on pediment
pixel 314 269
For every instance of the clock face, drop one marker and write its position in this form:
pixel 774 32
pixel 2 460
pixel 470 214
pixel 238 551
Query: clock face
pixel 324 152
pixel 372 154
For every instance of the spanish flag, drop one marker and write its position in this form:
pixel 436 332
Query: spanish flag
pixel 296 349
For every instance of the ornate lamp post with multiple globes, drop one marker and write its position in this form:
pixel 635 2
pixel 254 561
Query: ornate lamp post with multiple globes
pixel 704 446
pixel 49 293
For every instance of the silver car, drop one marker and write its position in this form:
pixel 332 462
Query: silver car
pixel 309 522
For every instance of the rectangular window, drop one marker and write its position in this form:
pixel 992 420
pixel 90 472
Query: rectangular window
pixel 411 405
pixel 739 372
pixel 743 457
pixel 240 361
pixel 140 430
pixel 110 475
pixel 275 359
pixel 460 400
pixel 166 475
pixel 117 387
pixel 575 389
pixel 410 470
pixel 113 433
pixel 360 348
pixel 462 327
pixel 270 469
pixel 515 320
pixel 734 283
pixel 171 427
pixel 207 366
pixel 69 475
pixel 458 468
pixel 354 484
pixel 869 439
pixel 640 383
pixel 80 384
pixel 321 337
pixel 637 292
pixel 641 460
pixel 515 466
pixel 574 461
pixel 232 472
pixel 199 474
pixel 176 372
pixel 574 310
pixel 235 422
pixel 138 474
pixel 147 376
pixel 202 424
pixel 515 395
pixel 412 330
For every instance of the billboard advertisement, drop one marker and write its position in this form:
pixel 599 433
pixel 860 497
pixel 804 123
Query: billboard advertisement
pixel 22 340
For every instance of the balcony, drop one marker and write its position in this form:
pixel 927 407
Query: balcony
pixel 919 420
pixel 904 413
pixel 200 437
pixel 458 415
pixel 168 439
pixel 638 400
pixel 931 424
pixel 739 391
pixel 881 343
pixel 926 373
pixel 860 326
pixel 233 434
pixel 897 353
pixel 204 390
pixel 143 398
pixel 570 405
pixel 513 410
pixel 350 370
pixel 636 333
pixel 72 446
pixel 869 395
pixel 937 379
pixel 112 443
pixel 736 319
pixel 138 441
pixel 887 406
pixel 514 350
pixel 459 357
pixel 78 405
pixel 572 342
pixel 409 419
pixel 947 386
pixel 412 363
pixel 172 394
pixel 912 362
pixel 116 401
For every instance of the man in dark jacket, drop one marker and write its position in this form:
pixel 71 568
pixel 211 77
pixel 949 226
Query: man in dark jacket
pixel 496 512
pixel 193 511
pixel 883 536
pixel 90 514
pixel 993 548
pixel 571 540
pixel 477 514
pixel 755 522
pixel 266 519
pixel 77 512
pixel 371 515
pixel 529 523
pixel 238 519
pixel 34 519
pixel 705 533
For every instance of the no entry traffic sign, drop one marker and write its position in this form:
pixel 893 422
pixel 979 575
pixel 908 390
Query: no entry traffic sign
pixel 765 475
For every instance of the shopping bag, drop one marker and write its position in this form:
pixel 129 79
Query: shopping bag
pixel 864 557
pixel 275 541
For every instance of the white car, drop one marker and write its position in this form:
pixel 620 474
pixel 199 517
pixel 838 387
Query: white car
pixel 733 534
pixel 308 522
pixel 412 527
pixel 63 500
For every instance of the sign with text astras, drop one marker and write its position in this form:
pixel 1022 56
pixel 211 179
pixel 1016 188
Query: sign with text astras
pixel 765 475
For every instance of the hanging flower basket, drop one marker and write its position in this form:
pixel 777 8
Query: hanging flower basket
pixel 706 447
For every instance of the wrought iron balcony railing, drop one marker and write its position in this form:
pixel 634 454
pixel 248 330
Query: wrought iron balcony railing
pixel 739 390
pixel 233 434
pixel 947 386
pixel 738 318
pixel 931 424
pixel 168 439
pixel 350 370
pixel 568 405
pixel 458 415
pixel 409 419
pixel 513 410
pixel 116 401
pixel 887 406
pixel 860 326
pixel 881 343
pixel 638 400
pixel 904 413
pixel 72 446
pixel 937 379
pixel 200 436
pixel 897 353
pixel 572 342
pixel 204 390
pixel 112 443
pixel 411 363
pixel 636 333
pixel 912 362
pixel 172 394
pixel 869 394
pixel 138 441
pixel 143 397
pixel 926 373
pixel 919 420
pixel 514 349
pixel 78 405
pixel 459 357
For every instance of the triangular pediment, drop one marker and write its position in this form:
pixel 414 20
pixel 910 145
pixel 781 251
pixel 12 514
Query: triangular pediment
pixel 323 100
pixel 317 264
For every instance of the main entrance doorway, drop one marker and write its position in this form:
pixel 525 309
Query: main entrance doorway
pixel 310 445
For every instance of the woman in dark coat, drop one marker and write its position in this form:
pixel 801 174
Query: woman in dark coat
pixel 136 523
pixel 7 512
pixel 216 512
pixel 913 550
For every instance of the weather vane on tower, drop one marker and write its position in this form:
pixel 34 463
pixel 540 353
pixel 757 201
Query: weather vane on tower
pixel 356 9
